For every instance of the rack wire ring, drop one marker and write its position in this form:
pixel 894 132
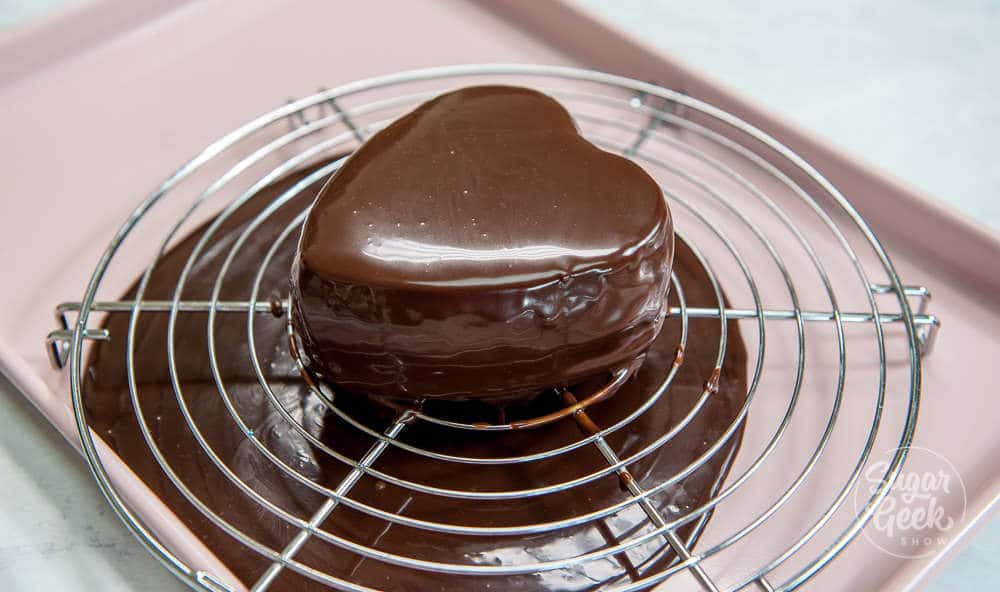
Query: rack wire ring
pixel 178 567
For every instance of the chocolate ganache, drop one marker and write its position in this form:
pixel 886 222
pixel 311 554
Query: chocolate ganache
pixel 110 412
pixel 480 248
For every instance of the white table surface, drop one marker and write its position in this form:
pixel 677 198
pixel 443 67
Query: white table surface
pixel 909 85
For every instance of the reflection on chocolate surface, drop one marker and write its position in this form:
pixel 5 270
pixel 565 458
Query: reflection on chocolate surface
pixel 479 247
pixel 111 414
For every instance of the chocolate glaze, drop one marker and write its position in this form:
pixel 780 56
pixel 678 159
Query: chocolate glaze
pixel 479 247
pixel 110 412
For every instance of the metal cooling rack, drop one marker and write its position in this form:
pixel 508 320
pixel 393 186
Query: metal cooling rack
pixel 647 112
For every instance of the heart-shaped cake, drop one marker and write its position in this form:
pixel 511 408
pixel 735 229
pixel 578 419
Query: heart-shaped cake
pixel 480 248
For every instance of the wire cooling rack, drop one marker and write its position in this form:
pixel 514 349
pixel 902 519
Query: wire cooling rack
pixel 764 224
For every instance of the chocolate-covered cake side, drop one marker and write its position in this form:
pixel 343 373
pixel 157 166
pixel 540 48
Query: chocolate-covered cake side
pixel 480 248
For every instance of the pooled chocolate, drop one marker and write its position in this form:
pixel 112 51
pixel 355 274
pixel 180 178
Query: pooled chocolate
pixel 480 248
pixel 111 414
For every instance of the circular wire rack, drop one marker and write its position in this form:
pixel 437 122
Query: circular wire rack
pixel 765 225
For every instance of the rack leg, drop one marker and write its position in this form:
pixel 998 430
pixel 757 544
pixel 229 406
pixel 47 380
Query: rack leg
pixel 630 484
pixel 345 486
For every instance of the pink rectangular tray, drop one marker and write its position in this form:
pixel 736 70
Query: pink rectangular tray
pixel 103 102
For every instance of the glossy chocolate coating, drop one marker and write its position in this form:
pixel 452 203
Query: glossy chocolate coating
pixel 110 412
pixel 480 248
